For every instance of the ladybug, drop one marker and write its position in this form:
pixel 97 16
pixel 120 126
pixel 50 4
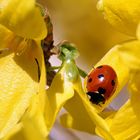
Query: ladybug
pixel 101 84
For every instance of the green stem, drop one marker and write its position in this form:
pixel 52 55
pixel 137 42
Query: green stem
pixel 82 73
pixel 52 68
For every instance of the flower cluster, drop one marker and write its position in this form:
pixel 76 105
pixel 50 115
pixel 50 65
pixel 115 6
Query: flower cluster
pixel 22 70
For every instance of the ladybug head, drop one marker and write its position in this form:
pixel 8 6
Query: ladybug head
pixel 96 98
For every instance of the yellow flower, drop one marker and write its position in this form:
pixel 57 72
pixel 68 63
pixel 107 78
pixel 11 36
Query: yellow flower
pixel 122 14
pixel 84 115
pixel 124 123
pixel 67 91
pixel 22 69
pixel 124 58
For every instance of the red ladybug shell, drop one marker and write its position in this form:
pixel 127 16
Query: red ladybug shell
pixel 101 83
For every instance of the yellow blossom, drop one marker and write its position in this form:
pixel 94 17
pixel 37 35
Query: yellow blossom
pixel 22 70
pixel 124 124
pixel 82 114
pixel 124 15
pixel 67 91
pixel 124 58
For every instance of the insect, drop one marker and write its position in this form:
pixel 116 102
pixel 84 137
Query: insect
pixel 101 84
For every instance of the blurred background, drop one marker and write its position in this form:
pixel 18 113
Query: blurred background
pixel 79 22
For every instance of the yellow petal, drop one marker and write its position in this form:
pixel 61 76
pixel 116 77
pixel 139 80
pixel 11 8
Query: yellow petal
pixel 31 130
pixel 92 112
pixel 124 124
pixel 23 18
pixel 35 114
pixel 38 54
pixel 6 37
pixel 77 118
pixel 124 15
pixel 33 122
pixel 138 137
pixel 60 91
pixel 10 41
pixel 134 89
pixel 128 117
pixel 14 131
pixel 115 60
pixel 18 83
pixel 129 52
pixel 26 130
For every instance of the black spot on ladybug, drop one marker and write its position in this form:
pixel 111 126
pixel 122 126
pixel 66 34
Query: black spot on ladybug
pixel 99 67
pixel 101 90
pixel 113 83
pixel 100 76
pixel 90 80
